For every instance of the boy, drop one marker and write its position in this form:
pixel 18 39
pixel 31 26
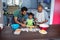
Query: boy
pixel 30 20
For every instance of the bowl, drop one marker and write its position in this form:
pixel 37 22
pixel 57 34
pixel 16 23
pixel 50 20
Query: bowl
pixel 15 26
pixel 43 26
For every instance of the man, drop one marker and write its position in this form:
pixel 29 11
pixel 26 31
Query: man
pixel 41 15
pixel 20 16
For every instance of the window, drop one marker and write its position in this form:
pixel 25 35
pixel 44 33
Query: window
pixel 12 2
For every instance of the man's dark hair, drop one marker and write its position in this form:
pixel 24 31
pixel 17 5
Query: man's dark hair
pixel 40 5
pixel 30 14
pixel 24 9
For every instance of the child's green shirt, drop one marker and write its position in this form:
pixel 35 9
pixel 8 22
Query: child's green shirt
pixel 30 22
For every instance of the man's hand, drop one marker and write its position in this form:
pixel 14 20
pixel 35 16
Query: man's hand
pixel 40 22
pixel 43 22
pixel 35 19
pixel 23 25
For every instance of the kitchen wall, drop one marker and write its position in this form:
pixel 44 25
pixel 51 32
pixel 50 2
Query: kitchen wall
pixel 1 15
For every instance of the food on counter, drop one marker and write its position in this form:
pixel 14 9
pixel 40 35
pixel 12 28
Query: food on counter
pixel 17 31
pixel 43 32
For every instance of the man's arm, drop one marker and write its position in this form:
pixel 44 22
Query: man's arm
pixel 15 19
pixel 16 13
pixel 23 25
pixel 46 17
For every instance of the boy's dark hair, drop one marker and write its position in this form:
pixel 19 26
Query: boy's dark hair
pixel 24 9
pixel 30 14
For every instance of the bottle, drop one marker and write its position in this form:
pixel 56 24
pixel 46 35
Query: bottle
pixel 0 29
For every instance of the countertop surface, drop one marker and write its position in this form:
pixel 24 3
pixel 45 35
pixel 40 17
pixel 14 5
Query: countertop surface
pixel 53 34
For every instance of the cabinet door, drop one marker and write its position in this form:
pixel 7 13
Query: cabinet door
pixel 34 3
pixel 30 3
